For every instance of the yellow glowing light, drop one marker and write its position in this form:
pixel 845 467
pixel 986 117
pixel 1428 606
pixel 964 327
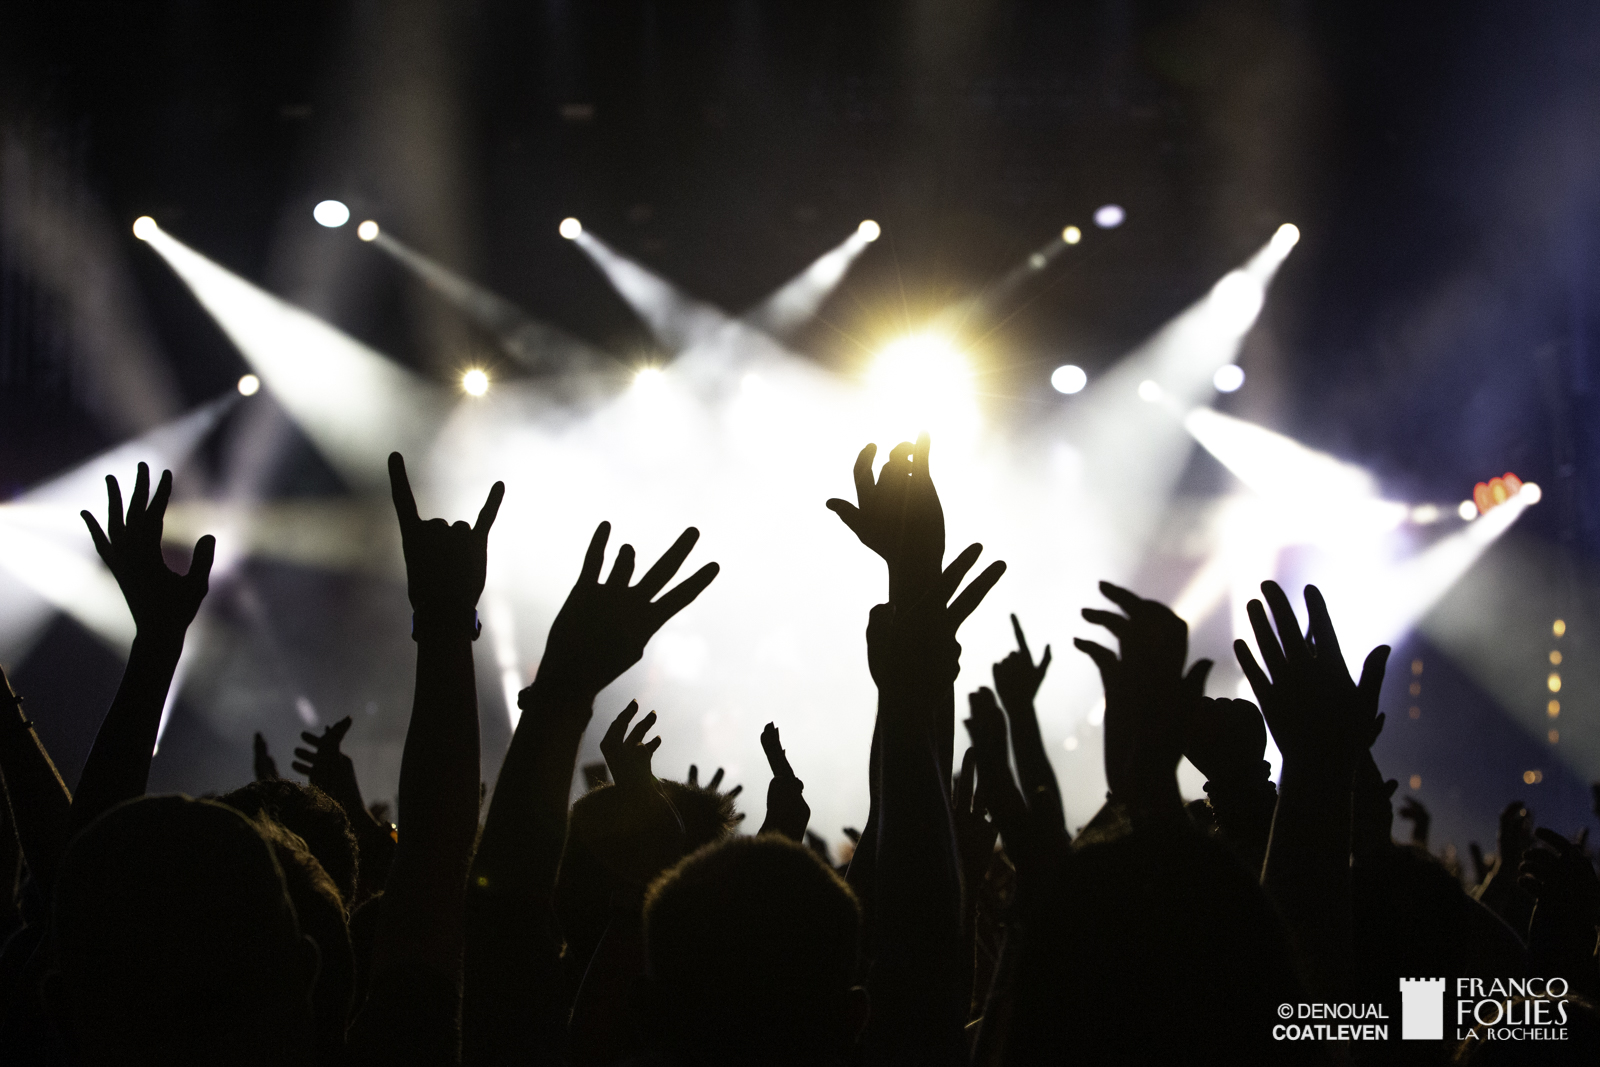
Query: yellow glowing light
pixel 1554 708
pixel 1416 666
pixel 1532 777
pixel 570 228
pixel 1416 712
pixel 1416 781
pixel 1555 659
pixel 1558 627
pixel 144 227
pixel 1554 681
pixel 475 382
pixel 869 230
pixel 924 382
pixel 1287 236
pixel 645 376
pixel 1072 235
pixel 1554 735
pixel 367 231
pixel 249 385
pixel 1416 689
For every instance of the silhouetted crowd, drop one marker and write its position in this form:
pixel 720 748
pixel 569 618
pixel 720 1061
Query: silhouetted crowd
pixel 290 923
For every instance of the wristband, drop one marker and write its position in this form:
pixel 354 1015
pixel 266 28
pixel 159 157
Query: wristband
pixel 436 627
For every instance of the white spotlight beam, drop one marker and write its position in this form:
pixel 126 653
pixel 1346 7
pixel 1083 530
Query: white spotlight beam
pixel 353 402
pixel 44 546
pixel 678 320
pixel 799 299
pixel 534 344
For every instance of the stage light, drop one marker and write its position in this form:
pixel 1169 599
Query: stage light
pixel 1110 216
pixel 475 382
pixel 1228 379
pixel 570 228
pixel 869 230
pixel 1467 510
pixel 797 301
pixel 1425 514
pixel 367 231
pixel 1555 658
pixel 1287 236
pixel 1069 379
pixel 1072 235
pixel 249 385
pixel 645 377
pixel 144 226
pixel 1559 627
pixel 1532 492
pixel 1236 300
pixel 923 382
pixel 331 213
pixel 1149 391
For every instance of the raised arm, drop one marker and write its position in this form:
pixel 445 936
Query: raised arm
pixel 419 940
pixel 326 766
pixel 1016 682
pixel 163 605
pixel 920 977
pixel 515 1008
pixel 1226 740
pixel 1323 722
pixel 38 798
pixel 787 811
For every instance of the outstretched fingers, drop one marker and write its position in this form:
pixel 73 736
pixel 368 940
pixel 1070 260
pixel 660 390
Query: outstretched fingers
pixel 976 590
pixel 682 595
pixel 141 493
pixel 619 726
pixel 594 557
pixel 158 502
pixel 636 736
pixel 1117 624
pixel 490 509
pixel 405 503
pixel 205 554
pixel 1289 635
pixel 98 536
pixel 1271 652
pixel 656 578
pixel 1022 640
pixel 1259 684
pixel 114 523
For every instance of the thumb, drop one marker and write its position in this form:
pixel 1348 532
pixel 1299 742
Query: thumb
pixel 205 554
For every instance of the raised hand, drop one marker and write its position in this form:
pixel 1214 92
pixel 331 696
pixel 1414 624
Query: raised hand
pixel 975 831
pixel 1017 678
pixel 265 767
pixel 1225 739
pixel 163 603
pixel 899 517
pixel 916 646
pixel 627 753
pixel 445 562
pixel 326 766
pixel 603 627
pixel 1559 875
pixel 787 810
pixel 711 786
pixel 1411 809
pixel 1319 716
pixel 1148 697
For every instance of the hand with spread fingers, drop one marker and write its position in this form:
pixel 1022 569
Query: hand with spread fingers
pixel 899 517
pixel 445 562
pixel 627 753
pixel 163 603
pixel 603 627
pixel 1016 681
pixel 1321 719
pixel 915 648
pixel 326 766
pixel 1148 697
pixel 787 810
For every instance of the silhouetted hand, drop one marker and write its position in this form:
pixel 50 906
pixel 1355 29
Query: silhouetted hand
pixel 1225 739
pixel 445 562
pixel 266 768
pixel 1515 835
pixel 787 810
pixel 915 647
pixel 162 602
pixel 975 832
pixel 627 753
pixel 327 767
pixel 710 786
pixel 1321 719
pixel 1560 876
pixel 1148 696
pixel 1017 678
pixel 1411 809
pixel 602 628
pixel 899 517
pixel 1029 827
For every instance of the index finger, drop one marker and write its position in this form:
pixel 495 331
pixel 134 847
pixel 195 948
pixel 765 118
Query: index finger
pixel 405 504
pixel 491 508
pixel 337 731
pixel 594 557
pixel 656 578
pixel 682 595
pixel 973 594
pixel 1322 625
pixel 863 472
pixel 776 758
pixel 1022 641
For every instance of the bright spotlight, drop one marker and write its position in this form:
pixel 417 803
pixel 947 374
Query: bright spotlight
pixel 367 231
pixel 144 227
pixel 1072 235
pixel 923 382
pixel 1229 377
pixel 249 385
pixel 475 382
pixel 1286 237
pixel 869 229
pixel 570 228
pixel 1467 510
pixel 1236 299
pixel 1110 216
pixel 646 376
pixel 1149 391
pixel 1531 492
pixel 331 213
pixel 1425 514
pixel 1069 379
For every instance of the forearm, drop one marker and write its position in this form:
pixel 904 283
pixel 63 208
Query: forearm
pixel 438 810
pixel 38 798
pixel 118 767
pixel 1033 764
pixel 1243 808
pixel 1307 870
pixel 919 980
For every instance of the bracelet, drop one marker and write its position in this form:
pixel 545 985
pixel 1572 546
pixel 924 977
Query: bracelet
pixel 434 627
